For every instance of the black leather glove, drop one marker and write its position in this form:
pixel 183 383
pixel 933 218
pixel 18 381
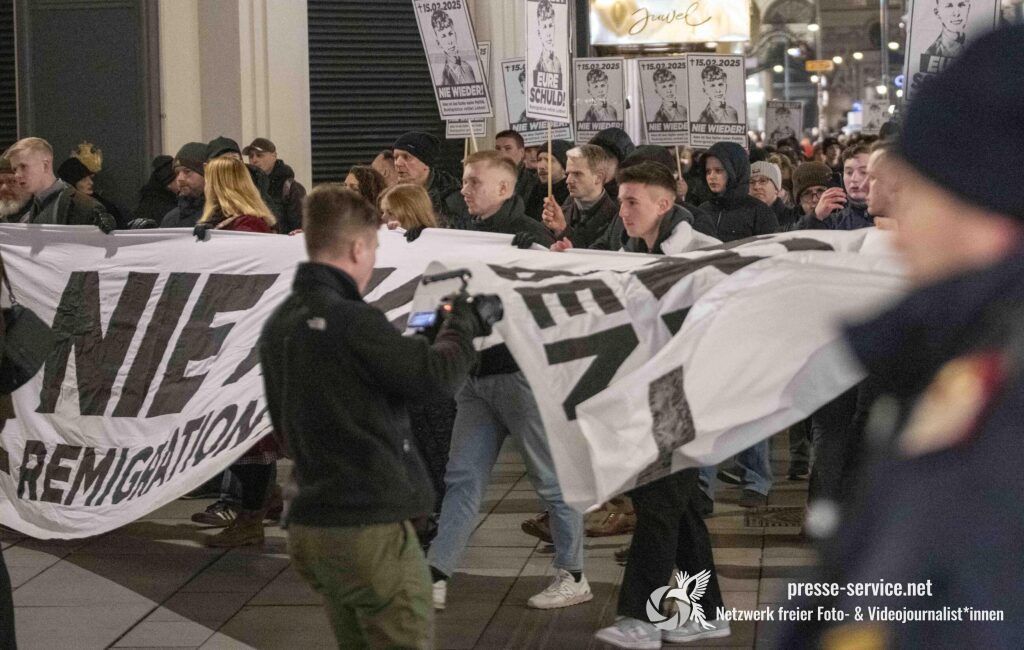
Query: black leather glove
pixel 106 223
pixel 414 233
pixel 524 240
pixel 479 313
pixel 200 230
pixel 141 224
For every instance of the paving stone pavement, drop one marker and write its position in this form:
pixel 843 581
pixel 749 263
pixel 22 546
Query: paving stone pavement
pixel 153 584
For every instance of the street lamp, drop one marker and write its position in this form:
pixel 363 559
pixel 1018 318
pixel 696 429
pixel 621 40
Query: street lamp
pixel 893 45
pixel 793 51
pixel 838 60
pixel 777 69
pixel 815 78
pixel 813 27
pixel 858 56
pixel 882 89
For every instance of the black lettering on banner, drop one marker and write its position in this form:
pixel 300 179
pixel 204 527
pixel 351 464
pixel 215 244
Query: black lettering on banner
pixel 163 464
pixel 158 334
pixel 806 244
pixel 143 483
pixel 377 277
pixel 113 479
pixel 661 276
pixel 5 462
pixel 610 349
pixel 89 474
pixel 98 357
pixel 674 319
pixel 199 341
pixel 246 366
pixel 398 296
pixel 56 472
pixel 534 299
pixel 517 273
pixel 29 475
pixel 120 494
pixel 227 416
pixel 671 422
pixel 246 424
pixel 193 425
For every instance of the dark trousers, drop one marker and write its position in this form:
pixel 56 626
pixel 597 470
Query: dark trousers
pixel 670 533
pixel 832 432
pixel 7 641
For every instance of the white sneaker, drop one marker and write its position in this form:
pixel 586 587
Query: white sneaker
pixel 692 631
pixel 562 592
pixel 631 633
pixel 440 594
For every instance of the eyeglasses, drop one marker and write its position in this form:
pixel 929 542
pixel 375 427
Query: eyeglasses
pixel 812 195
pixel 755 182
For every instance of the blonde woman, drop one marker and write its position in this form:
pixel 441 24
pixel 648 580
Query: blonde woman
pixel 234 203
pixel 408 207
pixel 232 200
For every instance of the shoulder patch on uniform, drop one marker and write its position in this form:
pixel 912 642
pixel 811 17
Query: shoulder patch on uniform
pixel 950 409
pixel 317 323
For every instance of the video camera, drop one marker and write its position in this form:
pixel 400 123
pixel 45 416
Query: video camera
pixel 487 307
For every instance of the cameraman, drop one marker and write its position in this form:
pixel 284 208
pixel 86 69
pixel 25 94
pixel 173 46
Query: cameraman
pixel 338 377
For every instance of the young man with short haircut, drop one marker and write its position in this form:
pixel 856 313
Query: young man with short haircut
pixel 845 210
pixel 585 215
pixel 359 477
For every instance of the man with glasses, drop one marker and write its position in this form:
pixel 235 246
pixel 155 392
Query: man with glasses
pixel 810 181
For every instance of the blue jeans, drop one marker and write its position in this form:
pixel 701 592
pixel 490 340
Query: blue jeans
pixel 756 464
pixel 489 409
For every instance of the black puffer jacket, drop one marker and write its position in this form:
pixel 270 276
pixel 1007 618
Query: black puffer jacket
pixel 155 201
pixel 734 213
pixel 286 196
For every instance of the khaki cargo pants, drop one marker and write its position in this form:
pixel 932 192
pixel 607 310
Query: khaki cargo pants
pixel 374 580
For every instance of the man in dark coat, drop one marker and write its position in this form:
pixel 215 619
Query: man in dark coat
pixel 584 217
pixel 53 200
pixel 951 359
pixel 189 172
pixel 733 212
pixel 416 155
pixel 285 192
pixel 160 193
pixel 510 144
pixel 74 172
pixel 359 478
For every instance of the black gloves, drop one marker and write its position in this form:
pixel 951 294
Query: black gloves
pixel 201 229
pixel 141 224
pixel 106 223
pixel 524 240
pixel 413 234
pixel 480 313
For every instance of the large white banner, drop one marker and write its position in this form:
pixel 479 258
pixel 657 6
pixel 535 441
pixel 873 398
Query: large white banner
pixel 459 77
pixel 155 385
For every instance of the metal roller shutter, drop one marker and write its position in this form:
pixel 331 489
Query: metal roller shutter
pixel 8 78
pixel 368 84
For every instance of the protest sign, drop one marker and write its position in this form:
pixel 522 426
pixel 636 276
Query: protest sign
pixel 663 87
pixel 783 119
pixel 600 96
pixel 717 98
pixel 938 31
pixel 534 132
pixel 476 128
pixel 547 60
pixel 875 114
pixel 460 82
pixel 639 364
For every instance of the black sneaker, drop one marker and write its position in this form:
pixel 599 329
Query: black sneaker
pixel 798 473
pixel 751 499
pixel 218 515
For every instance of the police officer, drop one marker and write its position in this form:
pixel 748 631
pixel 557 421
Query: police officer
pixel 938 509
pixel 338 376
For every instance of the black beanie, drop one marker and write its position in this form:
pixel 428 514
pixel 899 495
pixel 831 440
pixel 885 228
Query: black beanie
pixel 163 170
pixel 193 156
pixel 615 141
pixel 220 146
pixel 423 146
pixel 559 149
pixel 964 130
pixel 651 153
pixel 72 170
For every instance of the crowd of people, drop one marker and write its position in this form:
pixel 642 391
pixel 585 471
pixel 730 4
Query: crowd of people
pixel 458 406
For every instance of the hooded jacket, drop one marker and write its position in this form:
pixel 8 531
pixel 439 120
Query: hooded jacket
pixel 445 195
pixel 155 200
pixel 734 213
pixel 286 196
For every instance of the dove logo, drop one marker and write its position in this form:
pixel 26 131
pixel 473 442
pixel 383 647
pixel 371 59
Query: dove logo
pixel 686 592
